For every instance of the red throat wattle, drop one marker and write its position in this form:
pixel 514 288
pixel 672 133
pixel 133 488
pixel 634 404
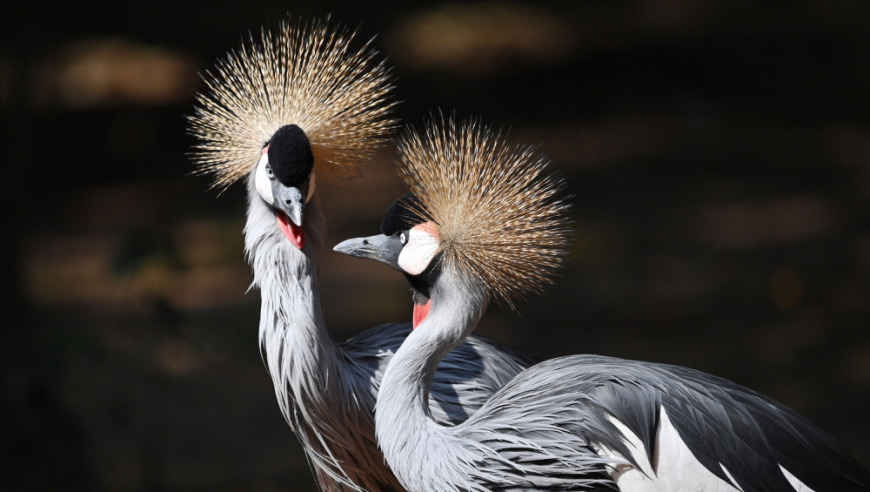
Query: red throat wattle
pixel 420 312
pixel 291 231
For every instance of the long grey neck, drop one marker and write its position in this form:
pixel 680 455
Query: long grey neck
pixel 299 353
pixel 403 423
pixel 309 371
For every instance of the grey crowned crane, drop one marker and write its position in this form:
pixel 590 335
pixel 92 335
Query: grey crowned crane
pixel 286 107
pixel 483 221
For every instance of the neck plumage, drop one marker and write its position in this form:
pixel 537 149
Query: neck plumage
pixel 298 351
pixel 303 360
pixel 403 422
pixel 327 412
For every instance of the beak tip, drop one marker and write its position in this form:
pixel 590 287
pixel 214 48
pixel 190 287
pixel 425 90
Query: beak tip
pixel 289 199
pixel 341 247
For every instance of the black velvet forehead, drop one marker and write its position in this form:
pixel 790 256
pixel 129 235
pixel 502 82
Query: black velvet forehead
pixel 290 155
pixel 401 215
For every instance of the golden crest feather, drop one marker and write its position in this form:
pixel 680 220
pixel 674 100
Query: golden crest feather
pixel 499 217
pixel 305 74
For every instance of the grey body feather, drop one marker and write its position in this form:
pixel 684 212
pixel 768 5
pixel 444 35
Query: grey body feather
pixel 721 422
pixel 327 390
pixel 546 428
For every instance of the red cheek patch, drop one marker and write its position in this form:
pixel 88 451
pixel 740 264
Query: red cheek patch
pixel 291 231
pixel 420 312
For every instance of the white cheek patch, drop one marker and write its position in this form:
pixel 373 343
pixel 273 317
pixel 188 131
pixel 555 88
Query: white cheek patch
pixel 262 181
pixel 418 252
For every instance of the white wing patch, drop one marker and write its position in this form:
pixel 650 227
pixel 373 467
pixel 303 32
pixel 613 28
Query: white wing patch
pixel 635 446
pixel 674 467
pixel 793 480
pixel 730 477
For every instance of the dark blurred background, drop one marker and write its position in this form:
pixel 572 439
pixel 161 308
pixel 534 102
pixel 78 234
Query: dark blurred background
pixel 718 151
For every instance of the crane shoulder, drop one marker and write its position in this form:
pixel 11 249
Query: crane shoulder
pixel 466 378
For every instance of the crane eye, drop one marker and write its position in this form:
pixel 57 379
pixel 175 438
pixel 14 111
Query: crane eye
pixel 269 172
pixel 403 238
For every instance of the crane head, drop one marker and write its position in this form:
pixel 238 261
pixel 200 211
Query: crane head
pixel 483 209
pixel 318 102
pixel 284 179
pixel 409 243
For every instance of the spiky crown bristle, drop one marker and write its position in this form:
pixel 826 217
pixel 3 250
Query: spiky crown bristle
pixel 306 74
pixel 500 219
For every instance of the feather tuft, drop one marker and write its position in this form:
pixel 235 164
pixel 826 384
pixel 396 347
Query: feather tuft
pixel 500 218
pixel 306 74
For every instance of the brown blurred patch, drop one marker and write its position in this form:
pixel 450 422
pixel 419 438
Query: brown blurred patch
pixel 75 270
pixel 176 357
pixel 129 249
pixel 480 38
pixel 618 139
pixel 857 363
pixel 786 289
pixel 101 72
pixel 746 225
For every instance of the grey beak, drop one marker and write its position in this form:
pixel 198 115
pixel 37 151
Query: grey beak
pixel 382 248
pixel 290 200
